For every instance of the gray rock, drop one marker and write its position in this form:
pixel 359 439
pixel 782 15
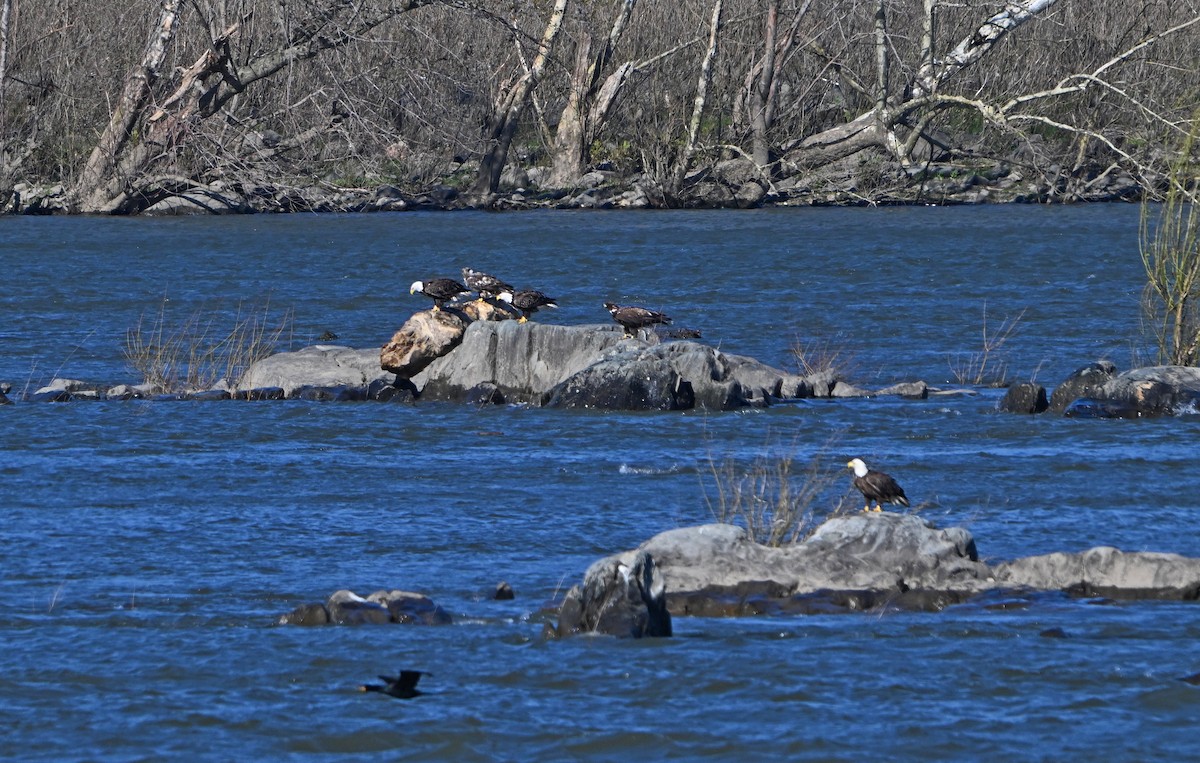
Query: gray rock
pixel 348 608
pixel 618 598
pixel 1106 571
pixel 523 360
pixel 844 389
pixel 877 551
pixel 1154 390
pixel 319 366
pixel 917 390
pixel 1024 397
pixel 1081 383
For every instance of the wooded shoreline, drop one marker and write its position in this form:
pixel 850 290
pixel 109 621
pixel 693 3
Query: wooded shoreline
pixel 218 106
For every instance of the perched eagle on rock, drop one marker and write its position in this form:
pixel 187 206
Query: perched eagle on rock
pixel 439 290
pixel 876 486
pixel 527 301
pixel 485 285
pixel 403 686
pixel 634 318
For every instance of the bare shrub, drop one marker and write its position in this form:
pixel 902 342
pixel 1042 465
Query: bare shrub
pixel 819 355
pixel 987 366
pixel 196 354
pixel 775 497
pixel 1170 249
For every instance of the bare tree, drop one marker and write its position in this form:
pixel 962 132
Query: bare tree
pixel 688 150
pixel 118 176
pixel 507 114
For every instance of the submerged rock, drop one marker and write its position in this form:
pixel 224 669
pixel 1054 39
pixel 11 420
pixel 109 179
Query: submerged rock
pixel 1024 397
pixel 1081 383
pixel 348 608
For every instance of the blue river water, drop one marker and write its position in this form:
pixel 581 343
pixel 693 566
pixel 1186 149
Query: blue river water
pixel 147 548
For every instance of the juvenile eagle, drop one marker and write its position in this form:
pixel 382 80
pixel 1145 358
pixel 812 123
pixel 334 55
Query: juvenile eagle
pixel 485 285
pixel 876 486
pixel 527 301
pixel 633 318
pixel 438 289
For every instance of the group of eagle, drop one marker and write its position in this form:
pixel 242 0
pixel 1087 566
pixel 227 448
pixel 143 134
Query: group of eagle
pixel 877 487
pixel 526 301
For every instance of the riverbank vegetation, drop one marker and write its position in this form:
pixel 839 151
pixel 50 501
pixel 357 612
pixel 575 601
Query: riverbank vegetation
pixel 1170 247
pixel 240 105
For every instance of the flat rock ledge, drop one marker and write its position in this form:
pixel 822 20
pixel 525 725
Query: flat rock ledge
pixel 861 562
pixel 348 608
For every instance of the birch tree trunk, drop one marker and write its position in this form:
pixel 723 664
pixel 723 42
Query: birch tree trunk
pixel 507 115
pixel 689 148
pixel 99 181
pixel 874 129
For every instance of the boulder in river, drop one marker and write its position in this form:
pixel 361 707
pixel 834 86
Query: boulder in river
pixel 425 337
pixel 868 561
pixel 1081 383
pixel 618 597
pixel 1024 397
pixel 320 365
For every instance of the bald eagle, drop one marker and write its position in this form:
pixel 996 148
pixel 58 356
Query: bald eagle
pixel 438 289
pixel 633 318
pixel 876 486
pixel 527 301
pixel 485 285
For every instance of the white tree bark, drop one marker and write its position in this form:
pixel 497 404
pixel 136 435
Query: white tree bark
pixel 689 148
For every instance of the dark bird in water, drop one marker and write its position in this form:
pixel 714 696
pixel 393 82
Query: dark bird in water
pixel 403 686
pixel 876 486
pixel 527 301
pixel 439 290
pixel 634 318
pixel 485 285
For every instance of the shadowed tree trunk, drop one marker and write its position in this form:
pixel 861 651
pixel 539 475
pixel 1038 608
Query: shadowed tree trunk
pixel 507 114
pixel 586 110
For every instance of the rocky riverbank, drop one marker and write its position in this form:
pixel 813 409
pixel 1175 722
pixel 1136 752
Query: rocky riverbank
pixel 731 183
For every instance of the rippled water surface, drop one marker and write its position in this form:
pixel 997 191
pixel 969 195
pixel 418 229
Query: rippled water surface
pixel 147 548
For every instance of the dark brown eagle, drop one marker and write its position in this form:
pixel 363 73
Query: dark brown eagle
pixel 403 686
pixel 634 318
pixel 485 285
pixel 439 290
pixel 527 301
pixel 876 486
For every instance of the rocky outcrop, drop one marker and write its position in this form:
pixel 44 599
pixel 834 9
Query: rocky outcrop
pixel 1097 391
pixel 868 561
pixel 1081 383
pixel 675 376
pixel 348 608
pixel 523 360
pixel 1024 397
pixel 617 598
pixel 1106 571
pixel 320 365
